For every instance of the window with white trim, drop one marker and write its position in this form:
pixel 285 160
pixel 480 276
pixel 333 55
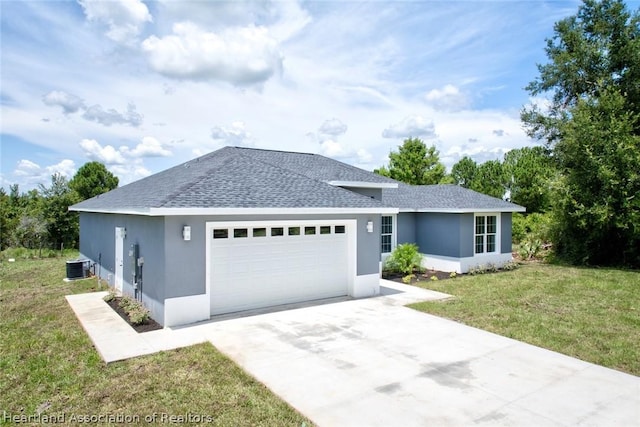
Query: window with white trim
pixel 386 237
pixel 486 234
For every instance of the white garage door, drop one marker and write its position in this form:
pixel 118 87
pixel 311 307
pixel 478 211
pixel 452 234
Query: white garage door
pixel 265 264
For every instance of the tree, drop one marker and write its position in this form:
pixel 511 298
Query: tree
pixel 414 163
pixel 5 226
pixel 490 179
pixel 592 126
pixel 597 207
pixel 92 179
pixel 464 172
pixel 595 50
pixel 529 172
pixel 62 225
pixel 31 232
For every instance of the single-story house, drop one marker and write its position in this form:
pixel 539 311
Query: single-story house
pixel 242 228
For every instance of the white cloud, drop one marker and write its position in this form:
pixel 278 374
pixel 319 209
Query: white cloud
pixel 236 135
pixel 130 172
pixel 31 173
pixel 241 56
pixel 292 19
pixel 125 162
pixel 498 132
pixel 364 156
pixel 27 168
pixel 107 154
pixel 332 127
pixel 332 148
pixel 109 117
pixel 123 18
pixel 66 168
pixel 216 14
pixel 284 18
pixel 69 102
pixel 149 147
pixel 411 126
pixel 449 98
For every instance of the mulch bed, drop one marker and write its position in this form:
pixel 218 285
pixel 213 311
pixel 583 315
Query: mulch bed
pixel 149 325
pixel 397 277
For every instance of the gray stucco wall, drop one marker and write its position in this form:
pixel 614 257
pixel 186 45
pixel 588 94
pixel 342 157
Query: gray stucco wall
pixel 185 266
pixel 406 227
pixel 438 234
pixel 467 233
pixel 442 234
pixel 505 229
pixel 174 267
pixel 97 240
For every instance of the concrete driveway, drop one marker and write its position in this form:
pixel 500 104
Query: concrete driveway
pixel 374 362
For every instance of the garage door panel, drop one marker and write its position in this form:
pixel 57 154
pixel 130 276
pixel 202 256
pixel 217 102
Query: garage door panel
pixel 256 272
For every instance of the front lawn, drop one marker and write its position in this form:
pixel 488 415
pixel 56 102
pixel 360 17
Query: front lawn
pixel 48 365
pixel 588 313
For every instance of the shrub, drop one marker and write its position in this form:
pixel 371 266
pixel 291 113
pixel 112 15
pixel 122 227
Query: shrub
pixel 538 226
pixel 433 278
pixel 477 269
pixel 530 248
pixel 518 227
pixel 405 258
pixel 127 303
pixel 511 265
pixel 138 314
pixel 453 275
pixel 407 279
pixel 111 295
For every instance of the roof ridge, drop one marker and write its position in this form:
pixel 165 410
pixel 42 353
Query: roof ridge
pixel 355 167
pixel 195 181
pixel 321 156
pixel 272 150
pixel 305 176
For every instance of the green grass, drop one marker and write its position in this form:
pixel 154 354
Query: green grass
pixel 47 363
pixel 591 314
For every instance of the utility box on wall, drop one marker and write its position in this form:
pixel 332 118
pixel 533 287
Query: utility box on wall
pixel 133 256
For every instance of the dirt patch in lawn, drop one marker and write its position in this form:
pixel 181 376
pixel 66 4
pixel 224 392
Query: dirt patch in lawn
pixel 147 326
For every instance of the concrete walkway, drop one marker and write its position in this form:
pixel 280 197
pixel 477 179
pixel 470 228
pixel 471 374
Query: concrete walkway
pixel 374 362
pixel 115 340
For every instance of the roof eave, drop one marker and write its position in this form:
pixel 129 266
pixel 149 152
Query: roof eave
pixel 362 184
pixel 124 211
pixel 239 211
pixel 465 210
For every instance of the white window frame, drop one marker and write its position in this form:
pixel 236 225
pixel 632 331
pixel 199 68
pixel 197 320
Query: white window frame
pixel 498 234
pixel 394 227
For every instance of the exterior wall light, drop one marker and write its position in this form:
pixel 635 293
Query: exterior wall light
pixel 369 226
pixel 186 233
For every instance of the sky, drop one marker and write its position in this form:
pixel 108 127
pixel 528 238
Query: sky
pixel 145 85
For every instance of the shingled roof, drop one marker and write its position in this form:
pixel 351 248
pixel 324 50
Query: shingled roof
pixel 237 178
pixel 244 178
pixel 444 198
pixel 316 166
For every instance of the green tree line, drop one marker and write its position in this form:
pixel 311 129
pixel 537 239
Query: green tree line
pixel 524 176
pixel 40 218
